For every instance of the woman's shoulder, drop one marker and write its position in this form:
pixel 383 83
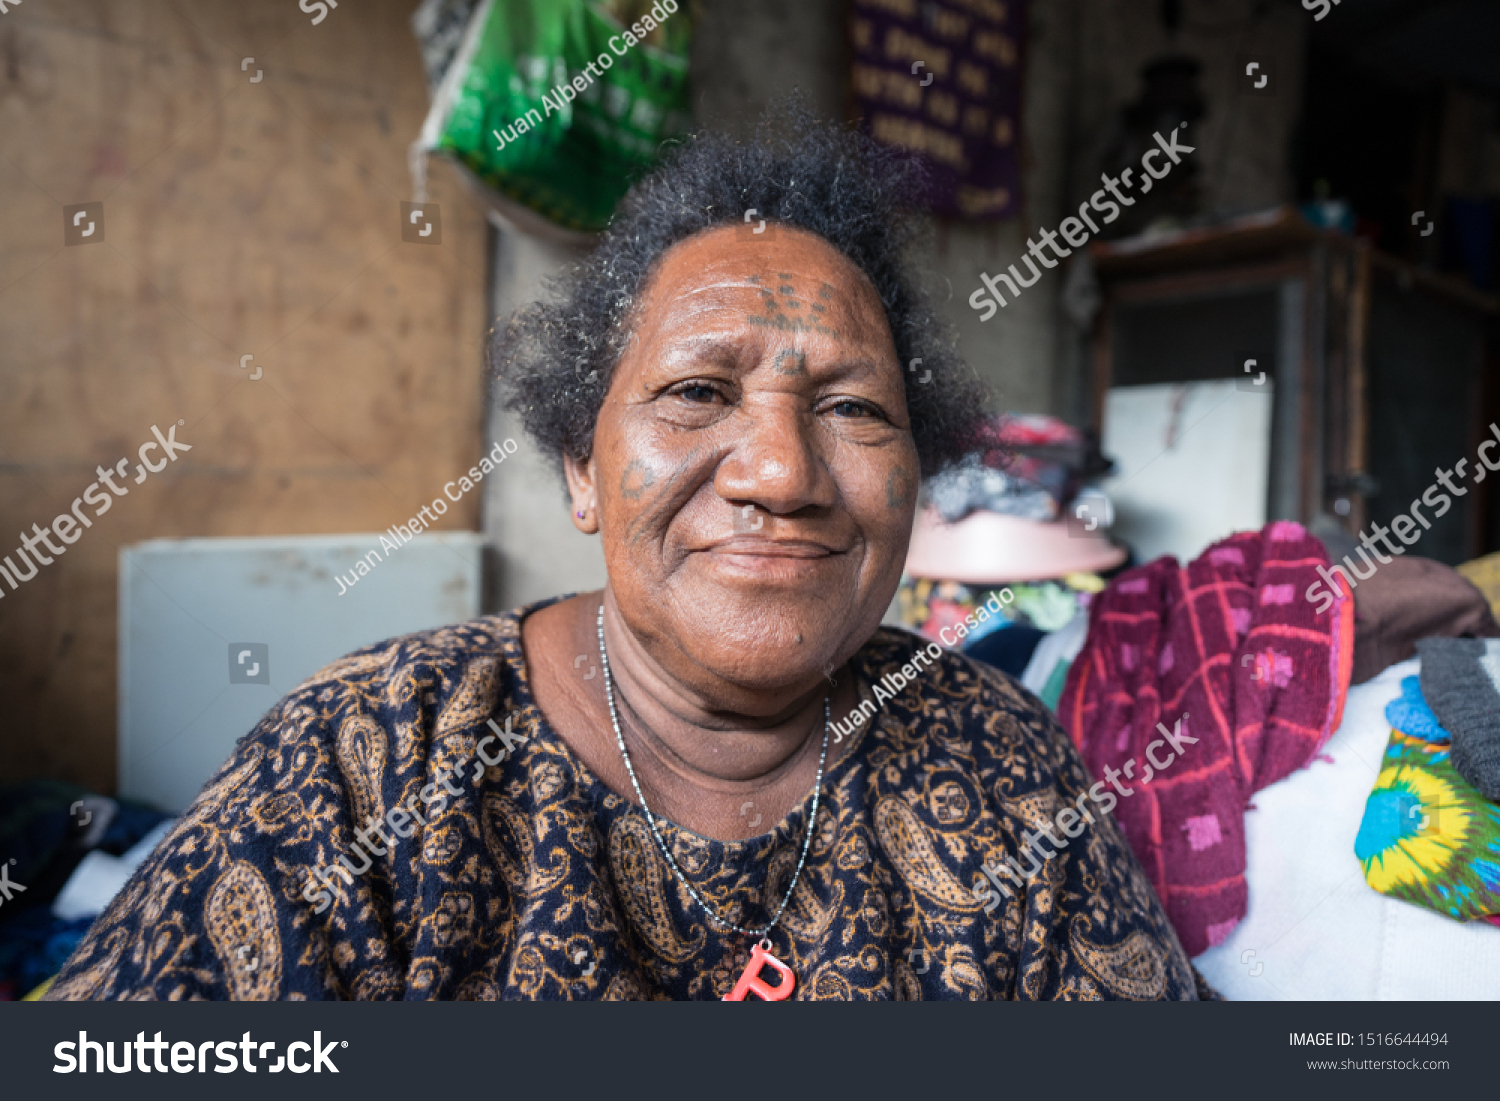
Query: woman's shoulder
pixel 971 773
pixel 404 661
pixel 358 738
pixel 424 681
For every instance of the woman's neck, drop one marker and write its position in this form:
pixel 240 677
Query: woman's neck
pixel 680 735
pixel 699 765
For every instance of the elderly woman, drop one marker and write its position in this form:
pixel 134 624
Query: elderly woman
pixel 636 793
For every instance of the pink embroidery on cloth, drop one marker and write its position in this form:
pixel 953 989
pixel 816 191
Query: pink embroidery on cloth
pixel 1203 831
pixel 1218 934
pixel 1273 668
pixel 1165 644
pixel 1277 594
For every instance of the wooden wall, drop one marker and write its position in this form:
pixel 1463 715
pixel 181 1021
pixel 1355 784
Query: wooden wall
pixel 240 218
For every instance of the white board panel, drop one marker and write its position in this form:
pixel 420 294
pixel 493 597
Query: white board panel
pixel 189 607
pixel 1193 462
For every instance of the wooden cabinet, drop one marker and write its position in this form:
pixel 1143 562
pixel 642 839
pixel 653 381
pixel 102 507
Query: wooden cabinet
pixel 1382 372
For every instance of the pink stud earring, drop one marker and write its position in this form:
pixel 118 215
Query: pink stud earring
pixel 580 515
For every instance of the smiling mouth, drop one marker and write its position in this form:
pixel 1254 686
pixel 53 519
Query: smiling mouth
pixel 771 559
pixel 761 547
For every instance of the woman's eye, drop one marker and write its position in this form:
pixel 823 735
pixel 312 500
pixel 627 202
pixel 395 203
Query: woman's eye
pixel 854 409
pixel 697 392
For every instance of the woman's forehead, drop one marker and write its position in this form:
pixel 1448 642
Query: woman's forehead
pixel 791 281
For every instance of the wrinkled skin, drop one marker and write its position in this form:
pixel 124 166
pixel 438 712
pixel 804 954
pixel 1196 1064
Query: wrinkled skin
pixel 753 479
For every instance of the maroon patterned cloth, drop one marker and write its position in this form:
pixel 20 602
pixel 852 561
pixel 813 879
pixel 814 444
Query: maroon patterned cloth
pixel 1196 688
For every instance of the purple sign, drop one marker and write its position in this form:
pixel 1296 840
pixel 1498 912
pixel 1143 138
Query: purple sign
pixel 942 80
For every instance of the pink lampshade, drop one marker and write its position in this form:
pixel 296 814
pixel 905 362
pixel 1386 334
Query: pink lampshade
pixel 986 548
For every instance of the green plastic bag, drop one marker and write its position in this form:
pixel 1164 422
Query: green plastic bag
pixel 561 104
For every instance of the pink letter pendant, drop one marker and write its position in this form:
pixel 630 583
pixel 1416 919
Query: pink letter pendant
pixel 751 982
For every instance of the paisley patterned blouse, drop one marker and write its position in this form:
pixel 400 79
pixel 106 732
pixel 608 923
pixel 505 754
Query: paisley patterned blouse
pixel 539 882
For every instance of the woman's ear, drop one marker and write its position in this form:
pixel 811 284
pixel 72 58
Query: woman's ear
pixel 581 495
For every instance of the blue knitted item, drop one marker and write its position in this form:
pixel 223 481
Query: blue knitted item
pixel 1410 714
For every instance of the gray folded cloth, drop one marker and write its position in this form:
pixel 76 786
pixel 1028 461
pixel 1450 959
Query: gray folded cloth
pixel 971 485
pixel 1461 683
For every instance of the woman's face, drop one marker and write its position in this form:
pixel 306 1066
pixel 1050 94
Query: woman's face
pixel 754 473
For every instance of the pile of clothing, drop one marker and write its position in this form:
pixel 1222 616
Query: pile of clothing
pixel 1431 828
pixel 1249 678
pixel 994 525
pixel 1027 465
pixel 1277 806
pixel 72 851
pixel 1035 636
pixel 1315 929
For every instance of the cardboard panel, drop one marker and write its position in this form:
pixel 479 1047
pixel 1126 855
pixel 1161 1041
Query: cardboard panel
pixel 239 218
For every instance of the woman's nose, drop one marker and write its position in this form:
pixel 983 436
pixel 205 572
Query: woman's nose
pixel 776 460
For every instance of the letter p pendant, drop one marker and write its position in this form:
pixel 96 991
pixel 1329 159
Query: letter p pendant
pixel 751 982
